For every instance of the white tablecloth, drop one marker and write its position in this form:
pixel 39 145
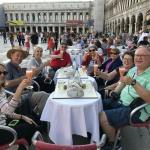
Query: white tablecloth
pixel 72 116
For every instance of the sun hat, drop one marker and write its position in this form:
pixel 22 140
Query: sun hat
pixel 15 49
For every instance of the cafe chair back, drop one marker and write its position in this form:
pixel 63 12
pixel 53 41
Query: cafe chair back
pixel 145 124
pixel 12 140
pixel 39 144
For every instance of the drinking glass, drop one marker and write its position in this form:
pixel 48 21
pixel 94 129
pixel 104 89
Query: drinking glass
pixel 95 69
pixel 29 75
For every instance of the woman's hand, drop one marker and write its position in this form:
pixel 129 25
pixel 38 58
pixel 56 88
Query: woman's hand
pixel 28 120
pixel 24 83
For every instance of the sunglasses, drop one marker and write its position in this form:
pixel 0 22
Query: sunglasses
pixel 3 72
pixel 91 50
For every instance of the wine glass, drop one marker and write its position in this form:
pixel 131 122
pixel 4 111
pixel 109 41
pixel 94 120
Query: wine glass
pixel 122 71
pixel 95 69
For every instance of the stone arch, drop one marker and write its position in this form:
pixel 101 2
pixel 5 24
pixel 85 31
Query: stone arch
pixel 34 28
pixel 122 25
pixel 147 20
pixel 139 23
pixel 118 27
pixel 127 25
pixel 39 29
pixel 133 23
pixel 28 29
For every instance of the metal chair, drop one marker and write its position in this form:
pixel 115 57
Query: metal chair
pixel 11 135
pixel 39 144
pixel 145 124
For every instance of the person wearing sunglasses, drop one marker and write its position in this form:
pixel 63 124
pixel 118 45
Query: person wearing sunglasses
pixel 26 126
pixel 60 58
pixel 90 58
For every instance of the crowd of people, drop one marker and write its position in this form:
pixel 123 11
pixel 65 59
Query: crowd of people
pixel 110 53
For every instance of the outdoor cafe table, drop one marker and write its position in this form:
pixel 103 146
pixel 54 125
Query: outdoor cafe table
pixel 72 116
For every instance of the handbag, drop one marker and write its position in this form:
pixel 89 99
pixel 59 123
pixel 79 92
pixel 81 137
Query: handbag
pixel 136 102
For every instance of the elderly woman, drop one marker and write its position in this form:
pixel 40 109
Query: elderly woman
pixel 39 69
pixel 128 63
pixel 26 126
pixel 90 58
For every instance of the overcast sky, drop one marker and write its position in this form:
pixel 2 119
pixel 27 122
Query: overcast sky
pixel 19 1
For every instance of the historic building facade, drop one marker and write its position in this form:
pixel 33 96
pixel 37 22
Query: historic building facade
pixel 127 16
pixel 49 16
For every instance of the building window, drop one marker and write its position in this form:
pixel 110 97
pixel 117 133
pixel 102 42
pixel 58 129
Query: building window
pixel 87 16
pixel 22 16
pixel 39 17
pixel 81 16
pixel 50 16
pixel 11 17
pixel 6 17
pixel 17 17
pixel 62 16
pixel 45 17
pixel 33 17
pixel 28 18
pixel 68 16
pixel 74 16
pixel 56 17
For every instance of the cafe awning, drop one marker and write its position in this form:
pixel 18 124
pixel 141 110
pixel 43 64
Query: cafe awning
pixel 16 23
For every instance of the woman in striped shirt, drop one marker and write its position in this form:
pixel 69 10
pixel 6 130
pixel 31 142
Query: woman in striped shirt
pixel 26 126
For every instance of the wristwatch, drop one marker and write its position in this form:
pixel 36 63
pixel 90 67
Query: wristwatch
pixel 133 82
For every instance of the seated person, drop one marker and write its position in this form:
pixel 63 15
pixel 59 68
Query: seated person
pixel 16 75
pixel 60 58
pixel 26 126
pixel 40 72
pixel 128 63
pixel 135 84
pixel 90 58
pixel 108 66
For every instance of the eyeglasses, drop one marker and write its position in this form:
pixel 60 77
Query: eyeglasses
pixel 136 55
pixel 3 72
pixel 91 50
pixel 113 53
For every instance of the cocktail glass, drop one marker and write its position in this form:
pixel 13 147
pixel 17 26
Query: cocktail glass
pixel 29 75
pixel 95 69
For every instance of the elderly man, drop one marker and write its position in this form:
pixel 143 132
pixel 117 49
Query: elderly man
pixel 15 75
pixel 135 84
